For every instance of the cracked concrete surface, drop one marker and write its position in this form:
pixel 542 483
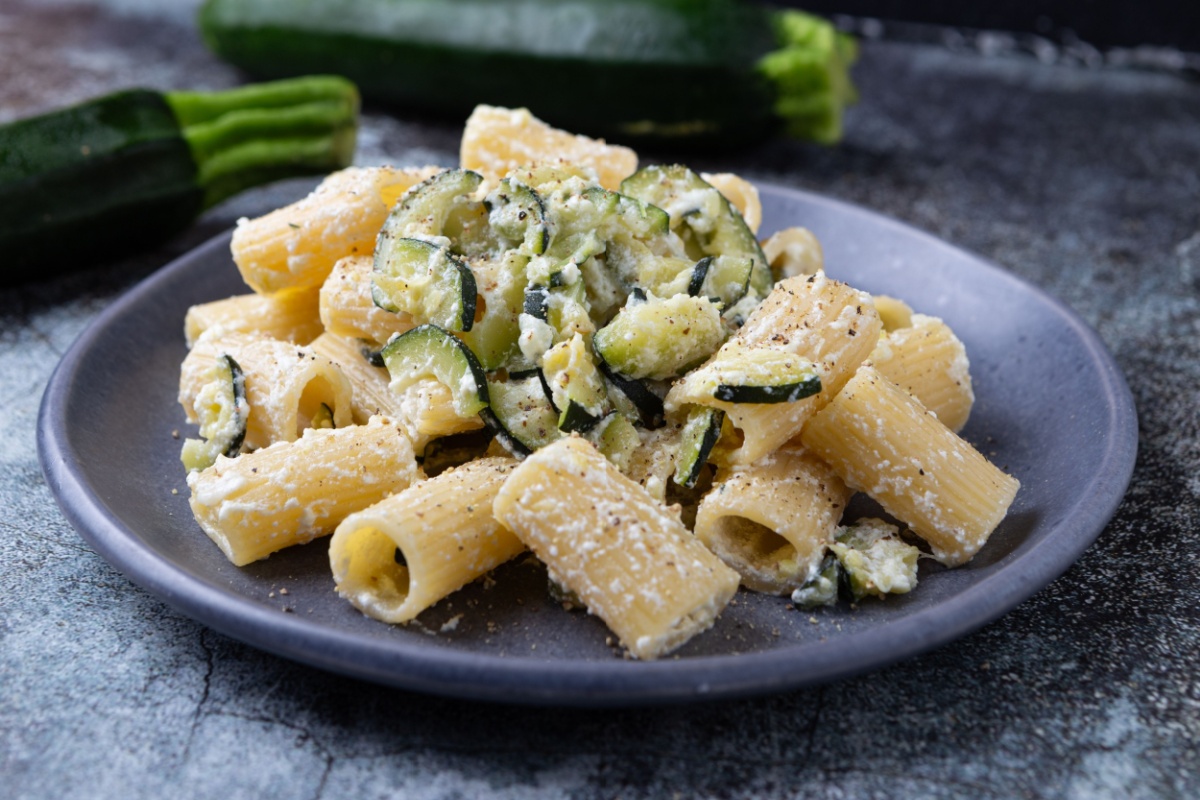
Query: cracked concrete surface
pixel 1081 181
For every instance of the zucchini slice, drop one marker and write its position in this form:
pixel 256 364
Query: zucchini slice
pixel 223 410
pixel 576 387
pixel 821 589
pixel 643 402
pixel 700 433
pixel 617 438
pixel 521 414
pixel 641 219
pixel 518 212
pixel 740 374
pixel 723 279
pixel 425 280
pixel 660 338
pixel 426 208
pixel 428 351
pixel 323 418
pixel 874 559
pixel 702 216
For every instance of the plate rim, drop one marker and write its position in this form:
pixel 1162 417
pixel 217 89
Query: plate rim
pixel 525 680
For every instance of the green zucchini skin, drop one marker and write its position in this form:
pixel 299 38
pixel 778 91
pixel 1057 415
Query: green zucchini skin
pixel 677 71
pixel 128 170
pixel 60 173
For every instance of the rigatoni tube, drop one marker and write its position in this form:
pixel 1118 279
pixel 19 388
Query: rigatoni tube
pixel 602 536
pixel 293 492
pixel 771 520
pixel 408 551
pixel 883 442
pixel 295 247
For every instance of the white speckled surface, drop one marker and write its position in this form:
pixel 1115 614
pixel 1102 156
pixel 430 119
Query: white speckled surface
pixel 1082 181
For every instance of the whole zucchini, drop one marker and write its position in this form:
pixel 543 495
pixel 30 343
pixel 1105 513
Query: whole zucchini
pixel 680 71
pixel 123 171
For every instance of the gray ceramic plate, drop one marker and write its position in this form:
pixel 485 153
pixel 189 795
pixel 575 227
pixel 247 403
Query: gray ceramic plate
pixel 1052 409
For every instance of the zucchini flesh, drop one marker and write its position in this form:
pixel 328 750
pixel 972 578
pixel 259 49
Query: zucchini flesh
pixel 521 414
pixel 700 434
pixel 739 374
pixel 130 169
pixel 821 589
pixel 428 351
pixel 426 208
pixel 576 386
pixel 705 219
pixel 224 411
pixel 660 338
pixel 517 212
pixel 424 280
pixel 690 71
pixel 645 404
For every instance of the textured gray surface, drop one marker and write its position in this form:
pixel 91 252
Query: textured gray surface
pixel 1084 182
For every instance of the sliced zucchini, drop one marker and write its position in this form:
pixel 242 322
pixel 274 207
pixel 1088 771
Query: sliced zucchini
pixel 725 279
pixel 635 263
pixel 518 213
pixel 708 223
pixel 821 589
pixel 372 356
pixel 617 438
pixel 643 403
pixel 521 414
pixel 660 338
pixel 428 351
pixel 740 374
pixel 426 208
pixel 323 418
pixel 424 280
pixel 641 219
pixel 700 433
pixel 875 560
pixel 576 386
pixel 500 282
pixel 223 410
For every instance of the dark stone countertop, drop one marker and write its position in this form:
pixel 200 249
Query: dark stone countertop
pixel 1083 181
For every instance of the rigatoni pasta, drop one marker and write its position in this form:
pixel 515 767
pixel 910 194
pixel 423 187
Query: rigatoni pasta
pixel 824 322
pixel 289 316
pixel 347 309
pixel 405 553
pixel 633 564
pixel 926 359
pixel 772 520
pixel 370 386
pixel 882 441
pixel 292 492
pixel 288 386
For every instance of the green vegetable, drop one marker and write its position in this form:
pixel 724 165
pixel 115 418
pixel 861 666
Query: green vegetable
pixel 875 560
pixel 223 410
pixel 660 338
pixel 702 71
pixel 126 170
pixel 700 433
pixel 428 351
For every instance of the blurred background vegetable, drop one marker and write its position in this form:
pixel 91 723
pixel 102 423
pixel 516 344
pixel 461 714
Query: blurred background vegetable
pixel 127 170
pixel 678 71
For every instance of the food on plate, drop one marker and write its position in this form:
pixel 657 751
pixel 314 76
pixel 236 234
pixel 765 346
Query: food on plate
pixel 126 170
pixel 623 382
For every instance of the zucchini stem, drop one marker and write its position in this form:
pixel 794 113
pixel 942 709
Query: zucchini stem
pixel 265 132
pixel 811 75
